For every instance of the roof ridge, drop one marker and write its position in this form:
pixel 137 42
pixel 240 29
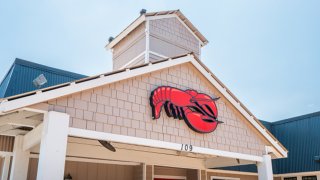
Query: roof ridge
pixel 296 118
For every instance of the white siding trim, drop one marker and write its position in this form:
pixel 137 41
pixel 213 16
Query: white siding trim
pixel 6 167
pixel 157 54
pixel 33 137
pixel 5 153
pixel 91 160
pixel 147 31
pixel 124 33
pixel 311 173
pixel 20 160
pixel 231 172
pixel 157 144
pixel 223 178
pixel 169 177
pixel 7 106
pixel 133 60
pixel 160 17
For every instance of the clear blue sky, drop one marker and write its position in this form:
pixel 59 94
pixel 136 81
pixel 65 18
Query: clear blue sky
pixel 267 52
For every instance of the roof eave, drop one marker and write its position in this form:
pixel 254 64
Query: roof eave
pixel 126 31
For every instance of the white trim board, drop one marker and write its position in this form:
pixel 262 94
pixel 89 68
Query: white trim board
pixel 133 60
pixel 170 177
pixel 5 153
pixel 7 106
pixel 92 160
pixel 232 172
pixel 223 178
pixel 157 54
pixel 311 173
pixel 75 132
pixel 125 32
pixel 147 34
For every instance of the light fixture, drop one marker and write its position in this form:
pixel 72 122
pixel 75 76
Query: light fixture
pixel 39 81
pixel 110 39
pixel 68 177
pixel 107 145
pixel 143 11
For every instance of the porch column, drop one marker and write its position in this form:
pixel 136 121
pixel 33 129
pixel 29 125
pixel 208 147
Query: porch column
pixel 5 168
pixel 20 160
pixel 265 168
pixel 53 146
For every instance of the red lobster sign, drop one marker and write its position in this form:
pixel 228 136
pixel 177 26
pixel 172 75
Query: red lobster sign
pixel 198 110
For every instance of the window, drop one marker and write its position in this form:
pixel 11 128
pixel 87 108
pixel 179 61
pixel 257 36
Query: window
pixel 309 177
pixel 290 178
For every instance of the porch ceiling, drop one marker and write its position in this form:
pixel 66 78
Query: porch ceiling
pixel 19 122
pixel 92 149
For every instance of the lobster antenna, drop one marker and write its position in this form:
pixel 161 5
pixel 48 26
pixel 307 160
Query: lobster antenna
pixel 219 121
pixel 216 98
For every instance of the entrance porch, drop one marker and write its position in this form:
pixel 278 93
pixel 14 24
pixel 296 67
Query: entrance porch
pixel 50 149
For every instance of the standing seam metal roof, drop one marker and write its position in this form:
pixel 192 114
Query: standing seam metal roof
pixel 19 78
pixel 301 136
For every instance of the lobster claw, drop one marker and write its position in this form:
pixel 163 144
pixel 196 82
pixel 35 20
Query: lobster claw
pixel 199 122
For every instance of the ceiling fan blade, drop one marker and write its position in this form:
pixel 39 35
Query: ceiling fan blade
pixel 107 145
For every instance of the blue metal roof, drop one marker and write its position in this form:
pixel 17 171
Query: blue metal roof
pixel 21 74
pixel 301 136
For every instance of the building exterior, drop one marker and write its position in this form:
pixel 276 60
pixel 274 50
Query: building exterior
pixel 166 115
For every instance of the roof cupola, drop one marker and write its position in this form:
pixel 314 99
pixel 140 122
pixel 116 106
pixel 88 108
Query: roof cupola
pixel 155 36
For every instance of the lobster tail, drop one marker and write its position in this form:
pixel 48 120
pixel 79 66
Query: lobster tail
pixel 157 100
pixel 164 94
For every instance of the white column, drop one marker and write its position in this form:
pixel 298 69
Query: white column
pixel 20 160
pixel 5 168
pixel 53 146
pixel 144 171
pixel 265 168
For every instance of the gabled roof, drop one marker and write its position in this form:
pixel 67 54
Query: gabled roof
pixel 24 100
pixel 23 72
pixel 160 14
